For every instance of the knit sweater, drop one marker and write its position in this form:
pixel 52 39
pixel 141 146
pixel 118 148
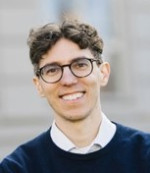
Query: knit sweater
pixel 127 152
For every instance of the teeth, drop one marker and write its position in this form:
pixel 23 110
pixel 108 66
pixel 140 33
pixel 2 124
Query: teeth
pixel 72 96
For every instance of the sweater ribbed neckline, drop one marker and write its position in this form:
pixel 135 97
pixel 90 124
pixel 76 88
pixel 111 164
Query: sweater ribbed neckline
pixel 112 145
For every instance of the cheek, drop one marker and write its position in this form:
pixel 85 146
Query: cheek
pixel 94 84
pixel 51 94
pixel 96 78
pixel 47 89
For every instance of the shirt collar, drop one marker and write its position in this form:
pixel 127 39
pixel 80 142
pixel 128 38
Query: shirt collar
pixel 60 139
pixel 105 134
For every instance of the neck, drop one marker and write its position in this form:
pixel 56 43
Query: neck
pixel 81 132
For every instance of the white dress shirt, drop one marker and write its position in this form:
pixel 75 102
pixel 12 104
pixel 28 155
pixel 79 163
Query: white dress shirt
pixel 105 134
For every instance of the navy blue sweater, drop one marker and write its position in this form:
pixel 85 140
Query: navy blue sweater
pixel 128 152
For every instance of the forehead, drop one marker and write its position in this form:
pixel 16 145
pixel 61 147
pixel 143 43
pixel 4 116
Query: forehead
pixel 64 51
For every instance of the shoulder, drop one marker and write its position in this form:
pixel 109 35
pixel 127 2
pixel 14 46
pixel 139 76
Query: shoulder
pixel 133 134
pixel 137 140
pixel 21 157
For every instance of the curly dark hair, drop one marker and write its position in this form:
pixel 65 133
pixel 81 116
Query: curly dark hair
pixel 41 39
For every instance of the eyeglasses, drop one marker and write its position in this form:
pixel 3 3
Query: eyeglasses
pixel 80 67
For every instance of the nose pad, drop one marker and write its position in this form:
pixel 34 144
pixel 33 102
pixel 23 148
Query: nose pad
pixel 68 77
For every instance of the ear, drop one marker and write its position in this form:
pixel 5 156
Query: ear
pixel 105 73
pixel 38 86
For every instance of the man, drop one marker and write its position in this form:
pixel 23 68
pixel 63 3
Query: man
pixel 69 73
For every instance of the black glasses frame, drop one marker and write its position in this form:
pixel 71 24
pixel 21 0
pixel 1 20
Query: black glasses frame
pixel 39 71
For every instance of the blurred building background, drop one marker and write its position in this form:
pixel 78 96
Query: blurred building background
pixel 124 26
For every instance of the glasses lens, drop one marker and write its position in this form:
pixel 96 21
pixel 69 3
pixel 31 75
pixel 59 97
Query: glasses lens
pixel 81 67
pixel 51 73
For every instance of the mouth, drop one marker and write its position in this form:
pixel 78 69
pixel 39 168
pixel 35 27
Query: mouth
pixel 73 96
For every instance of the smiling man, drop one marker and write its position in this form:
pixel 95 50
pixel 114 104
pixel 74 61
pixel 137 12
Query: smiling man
pixel 69 73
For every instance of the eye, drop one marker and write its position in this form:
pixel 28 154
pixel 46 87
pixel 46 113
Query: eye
pixel 51 70
pixel 80 64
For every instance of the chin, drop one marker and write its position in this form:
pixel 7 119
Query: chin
pixel 75 117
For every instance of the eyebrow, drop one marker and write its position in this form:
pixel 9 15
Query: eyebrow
pixel 58 63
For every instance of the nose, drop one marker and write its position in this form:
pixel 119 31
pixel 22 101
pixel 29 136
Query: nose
pixel 68 78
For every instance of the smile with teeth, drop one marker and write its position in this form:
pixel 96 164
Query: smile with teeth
pixel 71 97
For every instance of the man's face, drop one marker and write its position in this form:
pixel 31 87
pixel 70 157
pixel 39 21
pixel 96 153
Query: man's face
pixel 72 98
